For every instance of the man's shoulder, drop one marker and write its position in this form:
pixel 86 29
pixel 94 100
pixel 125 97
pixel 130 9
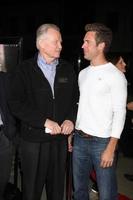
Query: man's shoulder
pixel 83 71
pixel 114 75
pixel 28 61
pixel 112 70
pixel 26 64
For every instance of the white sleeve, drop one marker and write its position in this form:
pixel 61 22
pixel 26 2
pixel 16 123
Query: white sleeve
pixel 118 84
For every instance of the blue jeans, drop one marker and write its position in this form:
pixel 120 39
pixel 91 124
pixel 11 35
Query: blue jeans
pixel 86 154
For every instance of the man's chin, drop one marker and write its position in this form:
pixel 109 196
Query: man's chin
pixel 57 56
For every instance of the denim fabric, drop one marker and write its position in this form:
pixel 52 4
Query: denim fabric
pixel 86 154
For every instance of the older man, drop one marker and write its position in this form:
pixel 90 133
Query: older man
pixel 43 97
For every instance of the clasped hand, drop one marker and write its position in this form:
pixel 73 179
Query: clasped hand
pixel 66 127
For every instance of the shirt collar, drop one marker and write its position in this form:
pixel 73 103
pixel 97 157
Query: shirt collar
pixel 51 67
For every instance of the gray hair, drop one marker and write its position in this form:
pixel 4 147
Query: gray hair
pixel 42 30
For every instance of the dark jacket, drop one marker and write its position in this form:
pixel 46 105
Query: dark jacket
pixel 32 100
pixel 9 121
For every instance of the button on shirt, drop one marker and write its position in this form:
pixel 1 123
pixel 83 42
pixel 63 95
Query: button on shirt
pixel 49 70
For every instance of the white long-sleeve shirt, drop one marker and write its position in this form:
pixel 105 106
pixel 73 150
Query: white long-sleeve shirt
pixel 102 103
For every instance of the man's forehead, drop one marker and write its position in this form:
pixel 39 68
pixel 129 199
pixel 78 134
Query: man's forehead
pixel 90 36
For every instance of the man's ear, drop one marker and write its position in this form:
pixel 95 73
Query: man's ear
pixel 101 46
pixel 41 43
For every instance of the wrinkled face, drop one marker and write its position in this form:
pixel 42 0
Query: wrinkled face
pixel 121 65
pixel 90 48
pixel 50 45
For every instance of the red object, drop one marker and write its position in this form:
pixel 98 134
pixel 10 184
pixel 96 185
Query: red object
pixel 123 197
pixel 93 175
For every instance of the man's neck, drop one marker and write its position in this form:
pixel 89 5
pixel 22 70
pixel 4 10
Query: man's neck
pixel 100 60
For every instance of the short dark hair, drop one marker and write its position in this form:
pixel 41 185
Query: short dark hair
pixel 103 34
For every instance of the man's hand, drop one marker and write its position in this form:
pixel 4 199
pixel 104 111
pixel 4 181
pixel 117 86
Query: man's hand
pixel 130 106
pixel 53 127
pixel 70 147
pixel 107 156
pixel 67 127
pixel 107 159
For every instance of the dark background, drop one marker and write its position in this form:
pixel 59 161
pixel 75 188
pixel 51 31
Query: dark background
pixel 22 18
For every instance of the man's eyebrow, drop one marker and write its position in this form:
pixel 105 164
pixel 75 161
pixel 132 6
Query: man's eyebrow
pixel 86 40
